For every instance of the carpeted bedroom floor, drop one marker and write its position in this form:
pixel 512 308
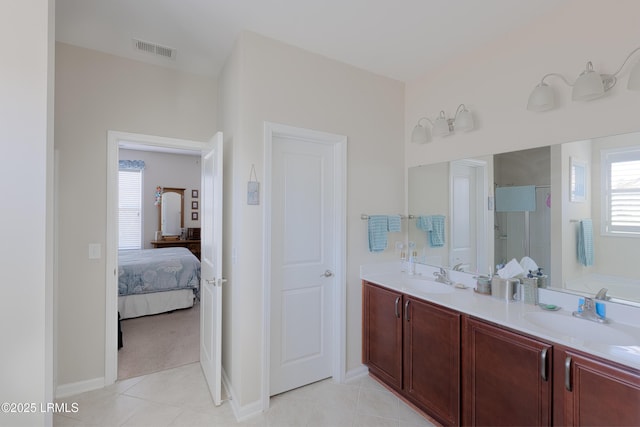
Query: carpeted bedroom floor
pixel 159 342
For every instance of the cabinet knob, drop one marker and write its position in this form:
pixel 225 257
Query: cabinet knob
pixel 406 310
pixel 397 304
pixel 543 364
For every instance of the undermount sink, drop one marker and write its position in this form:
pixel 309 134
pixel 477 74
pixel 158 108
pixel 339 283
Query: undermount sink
pixel 412 283
pixel 583 330
pixel 427 286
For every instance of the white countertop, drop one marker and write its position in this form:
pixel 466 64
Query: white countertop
pixel 623 328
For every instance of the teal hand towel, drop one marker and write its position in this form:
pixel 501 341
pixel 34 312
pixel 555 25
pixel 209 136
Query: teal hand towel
pixel 436 235
pixel 516 199
pixel 585 242
pixel 434 226
pixel 378 228
pixel 424 223
pixel 394 223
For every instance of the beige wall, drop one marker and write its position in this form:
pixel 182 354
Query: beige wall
pixel 96 92
pixel 282 84
pixel 26 181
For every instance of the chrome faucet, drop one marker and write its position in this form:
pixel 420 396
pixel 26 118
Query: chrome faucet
pixel 602 295
pixel 588 311
pixel 442 276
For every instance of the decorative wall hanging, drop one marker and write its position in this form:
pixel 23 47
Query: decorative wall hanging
pixel 158 196
pixel 253 188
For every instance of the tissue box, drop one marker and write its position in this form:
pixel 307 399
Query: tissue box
pixel 529 291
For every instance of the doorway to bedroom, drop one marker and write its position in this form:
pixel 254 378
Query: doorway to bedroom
pixel 158 330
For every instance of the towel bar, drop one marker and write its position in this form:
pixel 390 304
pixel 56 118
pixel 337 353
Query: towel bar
pixel 365 217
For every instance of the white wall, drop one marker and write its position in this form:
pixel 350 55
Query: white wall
pixel 165 170
pixel 26 179
pixel 96 92
pixel 282 84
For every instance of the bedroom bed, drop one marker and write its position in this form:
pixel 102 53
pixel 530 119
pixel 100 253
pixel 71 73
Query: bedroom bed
pixel 152 281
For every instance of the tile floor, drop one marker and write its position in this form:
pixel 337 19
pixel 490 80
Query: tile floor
pixel 179 397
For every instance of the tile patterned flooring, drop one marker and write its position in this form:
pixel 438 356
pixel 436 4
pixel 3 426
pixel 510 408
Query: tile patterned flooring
pixel 179 397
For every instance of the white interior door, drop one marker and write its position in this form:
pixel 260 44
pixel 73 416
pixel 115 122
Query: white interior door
pixel 211 267
pixel 468 215
pixel 303 260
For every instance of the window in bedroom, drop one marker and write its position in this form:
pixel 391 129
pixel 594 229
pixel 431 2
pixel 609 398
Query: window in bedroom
pixel 621 191
pixel 130 204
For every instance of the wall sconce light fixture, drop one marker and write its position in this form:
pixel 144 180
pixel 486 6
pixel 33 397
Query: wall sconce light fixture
pixel 589 85
pixel 443 126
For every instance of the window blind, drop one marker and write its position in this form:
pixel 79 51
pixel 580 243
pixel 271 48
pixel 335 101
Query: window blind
pixel 130 209
pixel 622 192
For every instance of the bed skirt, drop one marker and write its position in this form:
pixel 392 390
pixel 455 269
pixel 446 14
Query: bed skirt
pixel 137 305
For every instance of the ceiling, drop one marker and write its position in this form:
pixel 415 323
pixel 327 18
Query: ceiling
pixel 401 39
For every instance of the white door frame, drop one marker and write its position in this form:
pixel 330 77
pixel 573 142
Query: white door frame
pixel 114 139
pixel 339 143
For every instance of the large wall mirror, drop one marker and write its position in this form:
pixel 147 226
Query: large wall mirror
pixel 573 208
pixel 171 212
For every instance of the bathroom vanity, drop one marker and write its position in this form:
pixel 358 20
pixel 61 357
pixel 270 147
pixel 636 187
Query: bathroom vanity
pixel 469 359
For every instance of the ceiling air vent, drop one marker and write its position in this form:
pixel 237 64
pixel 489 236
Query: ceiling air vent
pixel 154 49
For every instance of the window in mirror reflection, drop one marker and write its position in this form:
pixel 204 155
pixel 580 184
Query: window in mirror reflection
pixel 621 191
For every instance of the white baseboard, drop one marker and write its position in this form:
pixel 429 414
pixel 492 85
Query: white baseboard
pixel 356 373
pixel 241 413
pixel 71 389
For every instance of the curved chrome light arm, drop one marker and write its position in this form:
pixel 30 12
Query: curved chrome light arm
pixel 625 61
pixel 425 118
pixel 460 109
pixel 563 78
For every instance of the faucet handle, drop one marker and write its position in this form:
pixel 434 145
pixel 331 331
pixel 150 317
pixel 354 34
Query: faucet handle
pixel 602 294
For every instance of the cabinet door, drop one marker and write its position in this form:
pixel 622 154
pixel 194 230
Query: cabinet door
pixel 598 393
pixel 382 333
pixel 432 359
pixel 506 377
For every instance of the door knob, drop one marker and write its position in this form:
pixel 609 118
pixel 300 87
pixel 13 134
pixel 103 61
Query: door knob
pixel 327 273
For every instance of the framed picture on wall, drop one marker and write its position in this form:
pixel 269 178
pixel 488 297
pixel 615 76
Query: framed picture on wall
pixel 194 216
pixel 194 204
pixel 578 180
pixel 194 194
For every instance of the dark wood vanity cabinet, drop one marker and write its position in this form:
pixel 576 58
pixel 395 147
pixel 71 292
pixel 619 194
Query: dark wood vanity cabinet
pixel 465 371
pixel 506 377
pixel 414 347
pixel 594 392
pixel 432 359
pixel 382 333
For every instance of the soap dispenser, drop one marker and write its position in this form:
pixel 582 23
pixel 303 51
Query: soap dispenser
pixel 411 268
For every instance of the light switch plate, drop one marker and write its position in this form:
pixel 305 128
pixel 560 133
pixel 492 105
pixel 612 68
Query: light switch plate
pixel 95 251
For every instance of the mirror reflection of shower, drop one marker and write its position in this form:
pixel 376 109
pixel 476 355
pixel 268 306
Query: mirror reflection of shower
pixel 522 211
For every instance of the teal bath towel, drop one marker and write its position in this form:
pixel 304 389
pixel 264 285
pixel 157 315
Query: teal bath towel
pixel 378 228
pixel 585 242
pixel 394 223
